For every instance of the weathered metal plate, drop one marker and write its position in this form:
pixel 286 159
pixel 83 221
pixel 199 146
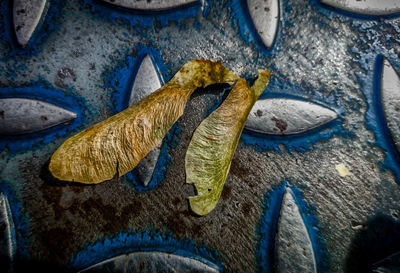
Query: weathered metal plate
pixel 151 262
pixel 329 70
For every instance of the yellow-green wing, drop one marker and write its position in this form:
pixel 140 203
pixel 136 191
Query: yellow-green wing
pixel 116 145
pixel 214 142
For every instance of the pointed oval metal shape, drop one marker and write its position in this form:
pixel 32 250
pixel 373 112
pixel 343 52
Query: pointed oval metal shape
pixel 147 80
pixel 366 7
pixel 152 261
pixel 294 250
pixel 285 116
pixel 22 115
pixel 265 16
pixel 26 17
pixel 153 5
pixel 390 100
pixel 7 240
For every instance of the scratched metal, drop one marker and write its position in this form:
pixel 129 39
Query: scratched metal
pixel 27 16
pixel 283 116
pixel 294 251
pixel 265 16
pixel 151 262
pixel 23 116
pixel 390 94
pixel 7 240
pixel 366 7
pixel 149 5
pixel 320 54
pixel 147 80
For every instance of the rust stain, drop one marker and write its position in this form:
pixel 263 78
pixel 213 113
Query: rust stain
pixel 280 124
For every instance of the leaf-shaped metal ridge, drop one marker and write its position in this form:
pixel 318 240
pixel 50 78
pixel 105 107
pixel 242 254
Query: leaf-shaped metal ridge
pixel 390 99
pixel 210 152
pixel 152 5
pixel 7 242
pixel 26 16
pixel 147 80
pixel 24 115
pixel 286 116
pixel 366 7
pixel 117 144
pixel 265 16
pixel 152 261
pixel 293 248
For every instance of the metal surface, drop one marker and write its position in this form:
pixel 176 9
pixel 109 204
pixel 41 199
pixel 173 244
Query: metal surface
pixel 7 240
pixel 265 16
pixel 151 262
pixel 344 174
pixel 27 16
pixel 22 116
pixel 147 80
pixel 149 5
pixel 294 249
pixel 284 116
pixel 366 7
pixel 390 94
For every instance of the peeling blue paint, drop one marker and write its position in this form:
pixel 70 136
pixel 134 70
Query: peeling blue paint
pixel 371 85
pixel 372 44
pixel 267 228
pixel 149 240
pixel 42 91
pixel 371 48
pixel 307 212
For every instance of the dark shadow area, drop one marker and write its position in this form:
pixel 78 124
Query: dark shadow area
pixel 376 241
pixel 22 265
pixel 212 88
pixel 390 264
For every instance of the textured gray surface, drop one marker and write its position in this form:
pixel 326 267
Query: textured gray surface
pixel 22 116
pixel 64 218
pixel 151 262
pixel 147 80
pixel 390 98
pixel 265 16
pixel 284 116
pixel 366 7
pixel 294 251
pixel 27 16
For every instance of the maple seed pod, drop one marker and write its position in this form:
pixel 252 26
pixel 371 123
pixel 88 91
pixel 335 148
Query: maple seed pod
pixel 116 145
pixel 210 152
